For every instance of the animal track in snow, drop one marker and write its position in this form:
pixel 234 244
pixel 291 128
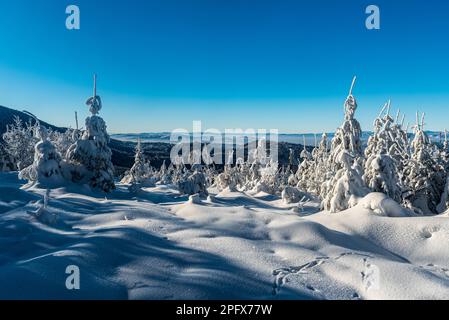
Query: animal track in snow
pixel 436 269
pixel 370 275
pixel 281 275
pixel 428 232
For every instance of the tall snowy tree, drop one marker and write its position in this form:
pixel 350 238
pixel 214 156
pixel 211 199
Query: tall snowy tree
pixel 348 136
pixel 91 154
pixel 422 176
pixel 346 185
pixel 381 173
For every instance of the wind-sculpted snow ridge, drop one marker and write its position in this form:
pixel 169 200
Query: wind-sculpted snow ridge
pixel 156 244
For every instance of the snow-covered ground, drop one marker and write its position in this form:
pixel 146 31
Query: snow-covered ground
pixel 158 245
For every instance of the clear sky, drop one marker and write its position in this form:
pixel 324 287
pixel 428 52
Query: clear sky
pixel 231 63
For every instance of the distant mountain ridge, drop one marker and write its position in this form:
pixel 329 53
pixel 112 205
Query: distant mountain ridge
pixel 294 138
pixel 157 146
pixel 7 116
pixel 122 152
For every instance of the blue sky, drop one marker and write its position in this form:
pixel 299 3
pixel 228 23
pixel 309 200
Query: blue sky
pixel 230 63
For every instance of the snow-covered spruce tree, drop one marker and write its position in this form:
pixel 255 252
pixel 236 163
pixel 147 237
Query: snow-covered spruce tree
pixel 179 173
pixel 399 148
pixel 19 141
pixel 252 171
pixel 422 176
pixel 229 178
pixel 346 185
pixel 243 175
pixel 45 170
pixel 139 172
pixel 348 136
pixel 269 181
pixel 211 174
pixel 306 170
pixel 164 174
pixel 380 169
pixel 195 183
pixel 381 175
pixel 445 147
pixel 444 163
pixel 90 155
pixel 321 158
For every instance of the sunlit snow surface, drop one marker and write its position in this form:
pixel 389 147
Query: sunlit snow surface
pixel 157 245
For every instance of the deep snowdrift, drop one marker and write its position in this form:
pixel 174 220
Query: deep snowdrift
pixel 158 245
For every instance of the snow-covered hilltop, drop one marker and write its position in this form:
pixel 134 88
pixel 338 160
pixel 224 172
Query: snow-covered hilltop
pixel 342 220
pixel 156 244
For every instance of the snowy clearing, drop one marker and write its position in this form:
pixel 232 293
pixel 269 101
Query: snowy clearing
pixel 156 244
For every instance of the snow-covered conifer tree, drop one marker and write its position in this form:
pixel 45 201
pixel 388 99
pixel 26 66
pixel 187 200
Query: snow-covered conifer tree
pixel 381 173
pixel 346 186
pixel 228 179
pixel 46 167
pixel 165 174
pixel 320 157
pixel 269 180
pixel 140 172
pixel 422 176
pixel 195 183
pixel 348 136
pixel 91 155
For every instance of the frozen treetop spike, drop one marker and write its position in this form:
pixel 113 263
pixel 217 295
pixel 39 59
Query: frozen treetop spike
pixel 398 114
pixel 417 119
pixel 352 85
pixel 382 110
pixel 95 85
pixel 76 120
